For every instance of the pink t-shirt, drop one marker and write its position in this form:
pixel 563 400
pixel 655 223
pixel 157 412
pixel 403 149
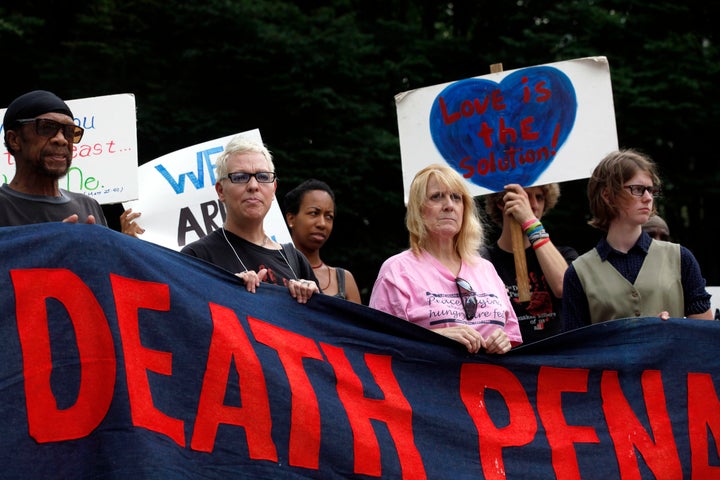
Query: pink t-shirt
pixel 423 291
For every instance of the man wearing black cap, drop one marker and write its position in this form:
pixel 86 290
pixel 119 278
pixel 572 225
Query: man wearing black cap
pixel 39 133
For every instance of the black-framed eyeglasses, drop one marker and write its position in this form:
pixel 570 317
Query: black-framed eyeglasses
pixel 244 177
pixel 48 128
pixel 467 297
pixel 639 190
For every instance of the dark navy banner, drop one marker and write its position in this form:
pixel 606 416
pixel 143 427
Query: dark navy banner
pixel 121 359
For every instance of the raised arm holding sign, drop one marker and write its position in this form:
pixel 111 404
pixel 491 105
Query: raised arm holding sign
pixel 545 262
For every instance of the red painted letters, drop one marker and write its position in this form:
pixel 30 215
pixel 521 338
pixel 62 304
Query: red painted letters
pixel 230 344
pixel 47 422
pixel 552 383
pixel 130 296
pixel 394 410
pixel 305 412
pixel 703 418
pixel 474 381
pixel 628 434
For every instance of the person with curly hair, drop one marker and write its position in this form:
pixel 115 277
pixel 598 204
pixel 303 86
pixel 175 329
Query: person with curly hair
pixel 539 317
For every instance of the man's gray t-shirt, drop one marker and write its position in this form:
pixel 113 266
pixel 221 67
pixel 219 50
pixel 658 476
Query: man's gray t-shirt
pixel 18 208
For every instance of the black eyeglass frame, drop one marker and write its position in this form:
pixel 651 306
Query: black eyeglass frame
pixel 467 297
pixel 639 190
pixel 48 128
pixel 234 177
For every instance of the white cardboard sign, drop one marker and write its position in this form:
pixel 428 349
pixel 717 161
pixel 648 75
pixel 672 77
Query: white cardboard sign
pixel 532 126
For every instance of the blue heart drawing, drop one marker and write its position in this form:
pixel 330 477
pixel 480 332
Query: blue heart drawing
pixel 496 134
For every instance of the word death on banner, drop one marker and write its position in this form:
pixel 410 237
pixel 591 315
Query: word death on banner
pixel 130 360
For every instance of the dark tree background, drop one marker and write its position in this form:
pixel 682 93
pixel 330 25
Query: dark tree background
pixel 318 78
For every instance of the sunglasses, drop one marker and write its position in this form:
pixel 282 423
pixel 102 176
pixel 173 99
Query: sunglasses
pixel 243 177
pixel 467 296
pixel 45 127
pixel 639 190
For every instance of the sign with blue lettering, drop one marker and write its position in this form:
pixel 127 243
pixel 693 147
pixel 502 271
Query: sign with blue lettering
pixel 105 162
pixel 532 126
pixel 178 200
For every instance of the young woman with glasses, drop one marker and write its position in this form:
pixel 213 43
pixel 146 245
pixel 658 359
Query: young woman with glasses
pixel 629 274
pixel 441 283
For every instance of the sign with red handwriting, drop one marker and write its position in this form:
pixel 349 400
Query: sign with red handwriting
pixel 105 162
pixel 536 125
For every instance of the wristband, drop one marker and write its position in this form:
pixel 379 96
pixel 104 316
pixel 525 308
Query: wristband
pixel 534 229
pixel 540 243
pixel 536 237
pixel 527 224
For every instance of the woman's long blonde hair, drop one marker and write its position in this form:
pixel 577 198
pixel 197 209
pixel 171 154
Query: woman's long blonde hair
pixel 471 235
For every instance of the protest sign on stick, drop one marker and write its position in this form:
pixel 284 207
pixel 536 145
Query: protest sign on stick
pixel 531 126
pixel 518 242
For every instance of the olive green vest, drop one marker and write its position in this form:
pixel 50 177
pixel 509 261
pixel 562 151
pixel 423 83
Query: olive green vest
pixel 658 286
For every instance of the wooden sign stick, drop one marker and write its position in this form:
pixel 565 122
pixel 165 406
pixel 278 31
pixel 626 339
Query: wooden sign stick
pixel 518 240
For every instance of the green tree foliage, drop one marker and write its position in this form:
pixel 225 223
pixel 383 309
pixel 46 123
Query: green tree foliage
pixel 318 78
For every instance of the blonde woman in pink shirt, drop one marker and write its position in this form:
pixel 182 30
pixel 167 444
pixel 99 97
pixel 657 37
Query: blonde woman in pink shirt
pixel 441 283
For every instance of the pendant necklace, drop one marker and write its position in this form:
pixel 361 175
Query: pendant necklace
pixel 288 264
pixel 263 244
pixel 329 278
pixel 233 249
